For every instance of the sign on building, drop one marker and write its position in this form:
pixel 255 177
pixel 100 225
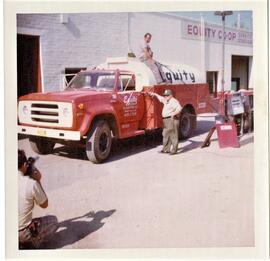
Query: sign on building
pixel 211 32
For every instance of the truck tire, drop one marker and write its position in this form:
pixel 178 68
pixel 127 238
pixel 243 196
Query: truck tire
pixel 187 124
pixel 41 145
pixel 99 142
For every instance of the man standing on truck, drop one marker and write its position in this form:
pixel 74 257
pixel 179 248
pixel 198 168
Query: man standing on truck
pixel 146 56
pixel 170 116
pixel 32 231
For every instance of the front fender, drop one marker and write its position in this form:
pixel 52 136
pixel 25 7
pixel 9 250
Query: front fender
pixel 89 118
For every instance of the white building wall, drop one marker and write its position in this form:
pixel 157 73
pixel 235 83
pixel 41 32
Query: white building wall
pixel 88 39
pixel 85 40
pixel 169 45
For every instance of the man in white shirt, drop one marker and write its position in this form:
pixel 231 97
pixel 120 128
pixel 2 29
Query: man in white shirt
pixel 32 231
pixel 170 116
pixel 145 55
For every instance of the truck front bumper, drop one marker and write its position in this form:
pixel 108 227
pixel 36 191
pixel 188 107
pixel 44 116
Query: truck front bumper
pixel 49 133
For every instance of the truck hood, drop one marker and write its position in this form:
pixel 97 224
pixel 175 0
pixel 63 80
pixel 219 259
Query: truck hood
pixel 67 96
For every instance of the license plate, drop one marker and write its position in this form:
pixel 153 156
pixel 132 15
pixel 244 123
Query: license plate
pixel 41 132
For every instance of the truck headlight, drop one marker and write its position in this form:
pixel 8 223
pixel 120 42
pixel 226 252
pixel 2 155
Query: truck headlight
pixel 66 112
pixel 25 110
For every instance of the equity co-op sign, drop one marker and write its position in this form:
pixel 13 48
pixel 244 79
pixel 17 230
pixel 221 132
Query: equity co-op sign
pixel 210 32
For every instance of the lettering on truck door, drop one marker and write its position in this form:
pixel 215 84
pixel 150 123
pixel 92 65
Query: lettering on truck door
pixel 128 103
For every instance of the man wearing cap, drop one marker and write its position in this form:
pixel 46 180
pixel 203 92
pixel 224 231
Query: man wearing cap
pixel 170 113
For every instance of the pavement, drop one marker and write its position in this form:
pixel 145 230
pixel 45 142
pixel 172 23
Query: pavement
pixel 140 198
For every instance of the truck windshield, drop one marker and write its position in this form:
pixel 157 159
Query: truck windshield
pixel 93 80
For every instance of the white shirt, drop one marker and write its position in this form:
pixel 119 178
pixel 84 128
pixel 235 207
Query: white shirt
pixel 141 53
pixel 170 106
pixel 30 192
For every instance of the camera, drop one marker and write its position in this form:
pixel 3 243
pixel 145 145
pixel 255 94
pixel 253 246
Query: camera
pixel 30 165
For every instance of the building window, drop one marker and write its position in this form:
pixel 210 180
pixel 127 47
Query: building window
pixel 211 78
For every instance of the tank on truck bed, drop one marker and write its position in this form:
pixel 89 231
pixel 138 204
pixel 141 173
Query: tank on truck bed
pixel 174 73
pixel 108 102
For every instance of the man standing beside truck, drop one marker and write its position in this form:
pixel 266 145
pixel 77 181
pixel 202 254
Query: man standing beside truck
pixel 170 116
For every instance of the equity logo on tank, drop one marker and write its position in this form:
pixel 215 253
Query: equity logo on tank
pixel 176 74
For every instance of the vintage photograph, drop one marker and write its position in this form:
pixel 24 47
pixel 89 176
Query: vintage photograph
pixel 135 129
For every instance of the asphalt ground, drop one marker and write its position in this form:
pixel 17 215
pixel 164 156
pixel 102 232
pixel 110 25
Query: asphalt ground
pixel 140 198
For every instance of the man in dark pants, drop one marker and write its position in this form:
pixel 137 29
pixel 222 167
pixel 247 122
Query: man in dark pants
pixel 170 113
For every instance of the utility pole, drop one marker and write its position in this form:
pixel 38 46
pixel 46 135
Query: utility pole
pixel 223 14
pixel 238 21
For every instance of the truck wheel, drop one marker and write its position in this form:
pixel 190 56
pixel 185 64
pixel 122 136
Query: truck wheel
pixel 99 142
pixel 41 145
pixel 187 124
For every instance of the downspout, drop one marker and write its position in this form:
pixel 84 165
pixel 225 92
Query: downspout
pixel 128 32
pixel 203 46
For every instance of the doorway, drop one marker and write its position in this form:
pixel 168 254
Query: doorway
pixel 240 72
pixel 211 79
pixel 28 65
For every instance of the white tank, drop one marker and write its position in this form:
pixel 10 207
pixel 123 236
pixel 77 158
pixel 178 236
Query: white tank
pixel 174 73
pixel 182 73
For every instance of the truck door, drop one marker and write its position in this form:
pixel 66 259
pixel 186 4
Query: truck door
pixel 130 103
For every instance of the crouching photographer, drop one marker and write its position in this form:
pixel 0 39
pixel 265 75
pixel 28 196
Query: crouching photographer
pixel 32 232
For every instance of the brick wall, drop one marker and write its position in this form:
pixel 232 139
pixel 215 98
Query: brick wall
pixel 86 40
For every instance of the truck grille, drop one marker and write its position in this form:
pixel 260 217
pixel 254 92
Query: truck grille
pixel 44 113
pixel 58 114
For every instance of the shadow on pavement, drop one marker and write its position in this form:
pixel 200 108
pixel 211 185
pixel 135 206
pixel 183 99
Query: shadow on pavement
pixel 142 143
pixel 130 146
pixel 192 146
pixel 120 148
pixel 22 137
pixel 204 126
pixel 70 152
pixel 246 141
pixel 73 230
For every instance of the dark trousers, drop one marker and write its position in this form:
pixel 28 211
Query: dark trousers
pixel 154 68
pixel 40 228
pixel 170 134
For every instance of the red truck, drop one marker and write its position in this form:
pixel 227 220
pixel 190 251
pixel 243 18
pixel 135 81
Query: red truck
pixel 108 102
